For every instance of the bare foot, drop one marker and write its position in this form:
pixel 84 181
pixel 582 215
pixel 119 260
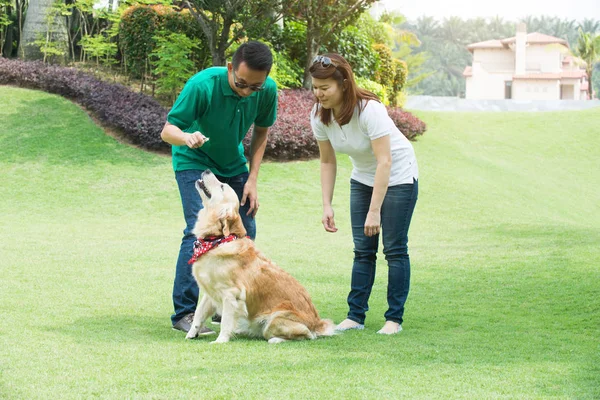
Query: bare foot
pixel 390 328
pixel 348 324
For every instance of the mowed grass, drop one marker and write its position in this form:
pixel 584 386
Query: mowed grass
pixel 505 250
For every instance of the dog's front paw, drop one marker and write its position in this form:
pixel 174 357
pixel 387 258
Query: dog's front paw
pixel 220 339
pixel 192 333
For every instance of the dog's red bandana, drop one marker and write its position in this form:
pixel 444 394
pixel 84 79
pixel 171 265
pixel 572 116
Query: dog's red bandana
pixel 202 246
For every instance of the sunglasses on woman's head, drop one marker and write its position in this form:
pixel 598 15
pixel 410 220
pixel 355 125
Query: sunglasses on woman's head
pixel 324 60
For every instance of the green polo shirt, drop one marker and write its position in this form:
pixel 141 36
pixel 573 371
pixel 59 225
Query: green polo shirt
pixel 209 105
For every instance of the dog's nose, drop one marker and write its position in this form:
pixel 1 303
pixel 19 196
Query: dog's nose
pixel 207 172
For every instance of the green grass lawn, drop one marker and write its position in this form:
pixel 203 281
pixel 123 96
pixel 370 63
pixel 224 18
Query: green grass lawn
pixel 505 248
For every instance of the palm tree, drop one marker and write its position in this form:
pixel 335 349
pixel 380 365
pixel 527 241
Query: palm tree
pixel 588 49
pixel 427 26
pixel 453 30
pixel 590 25
pixel 500 29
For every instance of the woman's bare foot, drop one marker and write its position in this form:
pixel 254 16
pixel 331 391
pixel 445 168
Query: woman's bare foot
pixel 390 328
pixel 348 324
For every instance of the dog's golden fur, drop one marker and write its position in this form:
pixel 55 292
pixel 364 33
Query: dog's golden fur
pixel 253 295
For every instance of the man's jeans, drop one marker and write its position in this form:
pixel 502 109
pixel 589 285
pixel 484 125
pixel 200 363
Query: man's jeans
pixel 396 213
pixel 185 289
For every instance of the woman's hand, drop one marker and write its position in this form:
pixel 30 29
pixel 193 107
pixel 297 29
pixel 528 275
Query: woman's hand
pixel 373 223
pixel 328 221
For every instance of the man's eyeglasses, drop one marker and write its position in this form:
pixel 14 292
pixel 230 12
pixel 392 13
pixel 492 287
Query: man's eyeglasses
pixel 254 88
pixel 324 60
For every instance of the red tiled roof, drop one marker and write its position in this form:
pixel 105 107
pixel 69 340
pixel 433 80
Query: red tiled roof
pixel 488 44
pixel 468 71
pixel 537 38
pixel 531 38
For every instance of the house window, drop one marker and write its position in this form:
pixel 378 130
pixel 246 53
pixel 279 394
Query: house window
pixel 508 89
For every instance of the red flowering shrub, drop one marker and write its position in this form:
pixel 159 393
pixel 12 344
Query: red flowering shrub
pixel 408 124
pixel 291 137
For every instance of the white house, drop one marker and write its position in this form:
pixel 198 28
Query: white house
pixel 525 67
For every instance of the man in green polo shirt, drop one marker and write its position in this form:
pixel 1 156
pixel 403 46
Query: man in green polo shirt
pixel 205 127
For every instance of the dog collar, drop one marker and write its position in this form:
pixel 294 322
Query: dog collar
pixel 202 246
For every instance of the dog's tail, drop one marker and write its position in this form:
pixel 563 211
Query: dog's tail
pixel 325 327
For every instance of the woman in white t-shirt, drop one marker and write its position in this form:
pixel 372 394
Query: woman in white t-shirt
pixel 383 184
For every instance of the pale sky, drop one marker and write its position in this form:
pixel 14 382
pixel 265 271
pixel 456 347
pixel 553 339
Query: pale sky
pixel 510 10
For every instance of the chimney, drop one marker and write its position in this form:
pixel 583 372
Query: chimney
pixel 520 47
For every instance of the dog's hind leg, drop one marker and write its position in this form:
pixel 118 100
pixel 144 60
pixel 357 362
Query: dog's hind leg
pixel 282 328
pixel 205 308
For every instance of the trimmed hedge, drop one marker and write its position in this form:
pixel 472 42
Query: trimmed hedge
pixel 291 137
pixel 140 118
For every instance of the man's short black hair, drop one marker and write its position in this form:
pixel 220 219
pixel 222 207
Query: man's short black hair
pixel 256 55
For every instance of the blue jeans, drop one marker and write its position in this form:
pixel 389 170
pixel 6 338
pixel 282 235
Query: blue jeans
pixel 185 288
pixel 396 213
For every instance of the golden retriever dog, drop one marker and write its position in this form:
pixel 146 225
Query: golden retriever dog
pixel 253 295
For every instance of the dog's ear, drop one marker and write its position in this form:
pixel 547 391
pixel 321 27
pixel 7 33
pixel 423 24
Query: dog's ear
pixel 232 222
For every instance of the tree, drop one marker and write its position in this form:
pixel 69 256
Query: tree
pixel 225 22
pixel 588 49
pixel 323 18
pixel 590 25
pixel 43 22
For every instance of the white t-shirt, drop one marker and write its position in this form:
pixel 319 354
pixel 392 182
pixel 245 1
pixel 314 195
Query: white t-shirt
pixel 355 138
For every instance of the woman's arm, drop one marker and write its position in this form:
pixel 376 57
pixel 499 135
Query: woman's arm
pixel 328 174
pixel 382 150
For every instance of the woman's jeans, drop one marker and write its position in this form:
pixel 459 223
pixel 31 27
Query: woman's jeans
pixel 185 289
pixel 396 213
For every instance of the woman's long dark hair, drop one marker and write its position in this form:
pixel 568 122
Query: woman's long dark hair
pixel 340 70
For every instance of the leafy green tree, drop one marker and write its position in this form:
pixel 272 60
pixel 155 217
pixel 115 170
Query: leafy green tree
pixel 355 46
pixel 226 22
pixel 404 42
pixel 322 19
pixel 589 25
pixel 5 23
pixel 588 49
pixel 171 62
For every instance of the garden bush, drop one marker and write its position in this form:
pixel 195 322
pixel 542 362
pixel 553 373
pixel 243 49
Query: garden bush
pixel 408 124
pixel 291 138
pixel 139 118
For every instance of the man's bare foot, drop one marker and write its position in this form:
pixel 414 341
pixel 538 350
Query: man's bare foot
pixel 390 328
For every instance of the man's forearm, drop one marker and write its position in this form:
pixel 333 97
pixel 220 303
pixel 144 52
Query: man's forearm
pixel 173 135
